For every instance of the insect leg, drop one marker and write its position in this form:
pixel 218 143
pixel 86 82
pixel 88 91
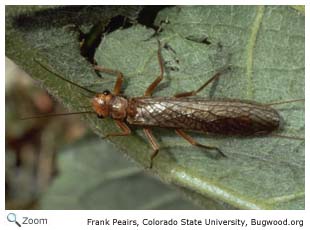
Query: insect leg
pixel 154 84
pixel 188 138
pixel 193 93
pixel 125 130
pixel 119 75
pixel 153 143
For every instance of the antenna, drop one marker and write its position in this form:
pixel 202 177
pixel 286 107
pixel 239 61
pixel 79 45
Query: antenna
pixel 283 102
pixel 62 78
pixel 55 115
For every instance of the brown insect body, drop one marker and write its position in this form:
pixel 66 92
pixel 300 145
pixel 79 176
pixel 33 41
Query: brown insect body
pixel 226 117
pixel 108 105
pixel 181 112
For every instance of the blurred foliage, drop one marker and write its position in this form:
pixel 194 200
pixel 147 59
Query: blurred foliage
pixel 31 145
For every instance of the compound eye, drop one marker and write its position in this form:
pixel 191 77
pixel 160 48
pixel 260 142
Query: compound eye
pixel 106 92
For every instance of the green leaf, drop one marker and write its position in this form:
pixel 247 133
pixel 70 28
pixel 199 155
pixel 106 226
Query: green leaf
pixel 264 47
pixel 109 182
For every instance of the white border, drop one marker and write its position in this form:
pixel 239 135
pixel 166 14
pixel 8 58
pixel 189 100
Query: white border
pixel 76 219
pixel 158 2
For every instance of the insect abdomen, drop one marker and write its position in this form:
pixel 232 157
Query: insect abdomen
pixel 227 117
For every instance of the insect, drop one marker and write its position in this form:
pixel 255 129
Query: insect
pixel 182 112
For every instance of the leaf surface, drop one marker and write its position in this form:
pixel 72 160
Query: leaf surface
pixel 264 48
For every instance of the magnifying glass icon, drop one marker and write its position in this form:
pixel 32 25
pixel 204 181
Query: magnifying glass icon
pixel 12 218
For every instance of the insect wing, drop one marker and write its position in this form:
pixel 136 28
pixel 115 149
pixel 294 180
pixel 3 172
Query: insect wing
pixel 227 117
